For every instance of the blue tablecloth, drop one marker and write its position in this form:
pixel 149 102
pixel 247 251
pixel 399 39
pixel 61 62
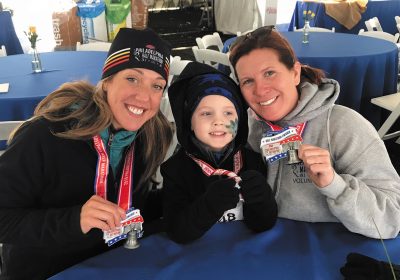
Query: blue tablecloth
pixel 385 10
pixel 8 37
pixel 365 67
pixel 291 250
pixel 27 89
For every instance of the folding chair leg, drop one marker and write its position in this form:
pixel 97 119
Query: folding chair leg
pixel 388 123
pixel 206 14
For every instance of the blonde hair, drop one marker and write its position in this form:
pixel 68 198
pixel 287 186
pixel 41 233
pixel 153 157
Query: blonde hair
pixel 85 107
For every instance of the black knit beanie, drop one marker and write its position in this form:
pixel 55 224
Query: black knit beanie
pixel 211 84
pixel 134 48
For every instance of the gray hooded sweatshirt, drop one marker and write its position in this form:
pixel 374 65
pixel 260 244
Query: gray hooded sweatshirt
pixel 365 188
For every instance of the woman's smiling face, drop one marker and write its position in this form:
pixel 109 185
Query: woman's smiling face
pixel 268 86
pixel 134 96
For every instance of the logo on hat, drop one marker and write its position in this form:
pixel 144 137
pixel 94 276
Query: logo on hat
pixel 150 47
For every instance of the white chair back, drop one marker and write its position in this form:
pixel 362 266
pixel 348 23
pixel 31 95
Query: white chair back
pixel 380 35
pixel 95 46
pixel 373 24
pixel 207 41
pixel 6 127
pixel 176 67
pixel 315 29
pixel 391 103
pixel 213 58
pixel 3 51
pixel 397 19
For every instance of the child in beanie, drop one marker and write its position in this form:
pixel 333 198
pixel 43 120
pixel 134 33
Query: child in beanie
pixel 213 177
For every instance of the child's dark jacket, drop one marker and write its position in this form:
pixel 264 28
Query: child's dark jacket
pixel 187 214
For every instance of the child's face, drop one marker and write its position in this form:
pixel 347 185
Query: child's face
pixel 215 121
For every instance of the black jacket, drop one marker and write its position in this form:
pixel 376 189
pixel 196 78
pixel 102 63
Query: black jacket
pixel 186 214
pixel 44 181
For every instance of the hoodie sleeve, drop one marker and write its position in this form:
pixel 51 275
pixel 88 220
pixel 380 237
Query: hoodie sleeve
pixel 366 188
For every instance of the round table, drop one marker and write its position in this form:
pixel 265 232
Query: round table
pixel 384 10
pixel 365 67
pixel 26 89
pixel 290 250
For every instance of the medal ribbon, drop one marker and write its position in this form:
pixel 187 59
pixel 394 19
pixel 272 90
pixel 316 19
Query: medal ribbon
pixel 299 127
pixel 125 187
pixel 210 171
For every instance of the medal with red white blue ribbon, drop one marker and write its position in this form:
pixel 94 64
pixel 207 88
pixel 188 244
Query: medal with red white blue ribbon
pixel 125 191
pixel 210 171
pixel 280 142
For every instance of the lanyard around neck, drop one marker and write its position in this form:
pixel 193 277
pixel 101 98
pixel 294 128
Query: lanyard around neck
pixel 299 127
pixel 125 187
pixel 211 171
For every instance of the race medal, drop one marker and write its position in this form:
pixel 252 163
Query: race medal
pixel 281 143
pixel 133 220
pixel 292 152
pixel 132 223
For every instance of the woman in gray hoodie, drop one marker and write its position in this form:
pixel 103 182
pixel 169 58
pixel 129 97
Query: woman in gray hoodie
pixel 345 174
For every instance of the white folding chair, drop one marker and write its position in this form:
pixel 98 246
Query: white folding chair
pixel 380 35
pixel 315 29
pixel 213 58
pixel 6 127
pixel 176 67
pixel 3 51
pixel 373 24
pixel 95 46
pixel 171 149
pixel 391 103
pixel 211 40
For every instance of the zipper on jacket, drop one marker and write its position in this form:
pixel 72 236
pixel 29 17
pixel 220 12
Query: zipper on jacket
pixel 110 139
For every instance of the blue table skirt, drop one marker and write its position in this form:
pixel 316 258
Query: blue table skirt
pixel 385 10
pixel 291 250
pixel 365 67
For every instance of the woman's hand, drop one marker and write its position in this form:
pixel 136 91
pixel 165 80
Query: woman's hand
pixel 100 213
pixel 317 162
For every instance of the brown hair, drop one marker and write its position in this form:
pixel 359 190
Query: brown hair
pixel 269 38
pixel 85 107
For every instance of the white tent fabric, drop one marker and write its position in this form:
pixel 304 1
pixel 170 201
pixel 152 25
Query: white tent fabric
pixel 232 16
